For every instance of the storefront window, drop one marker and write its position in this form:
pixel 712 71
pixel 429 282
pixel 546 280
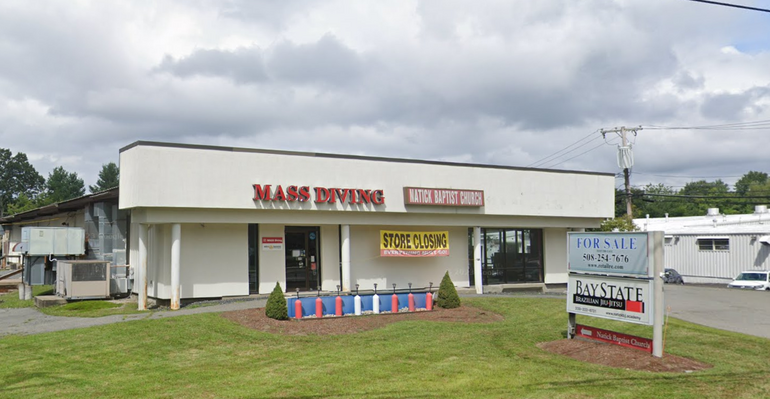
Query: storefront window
pixel 512 256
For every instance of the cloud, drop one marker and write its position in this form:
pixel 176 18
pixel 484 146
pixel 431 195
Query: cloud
pixel 240 66
pixel 500 82
pixel 737 106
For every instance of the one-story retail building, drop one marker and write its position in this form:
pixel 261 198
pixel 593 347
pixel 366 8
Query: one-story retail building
pixel 211 221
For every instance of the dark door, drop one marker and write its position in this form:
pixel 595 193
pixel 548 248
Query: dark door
pixel 512 256
pixel 253 259
pixel 303 261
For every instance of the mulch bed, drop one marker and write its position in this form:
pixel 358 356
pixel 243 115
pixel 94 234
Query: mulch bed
pixel 580 349
pixel 256 319
pixel 621 357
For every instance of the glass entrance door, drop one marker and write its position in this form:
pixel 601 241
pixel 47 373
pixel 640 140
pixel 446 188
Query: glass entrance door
pixel 303 261
pixel 512 256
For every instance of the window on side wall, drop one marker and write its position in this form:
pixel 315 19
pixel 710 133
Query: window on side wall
pixel 713 244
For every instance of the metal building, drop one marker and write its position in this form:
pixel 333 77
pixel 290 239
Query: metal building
pixel 714 248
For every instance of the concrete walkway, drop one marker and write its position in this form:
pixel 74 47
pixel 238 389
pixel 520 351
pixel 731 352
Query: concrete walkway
pixel 30 321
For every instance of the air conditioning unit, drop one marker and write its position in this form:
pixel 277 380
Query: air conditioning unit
pixel 83 279
pixel 119 284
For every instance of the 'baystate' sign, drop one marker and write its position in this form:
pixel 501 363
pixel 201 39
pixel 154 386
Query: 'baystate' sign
pixel 611 298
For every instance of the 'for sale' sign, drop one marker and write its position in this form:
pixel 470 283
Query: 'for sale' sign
pixel 621 299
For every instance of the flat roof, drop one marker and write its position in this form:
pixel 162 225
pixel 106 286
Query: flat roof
pixel 64 206
pixel 141 143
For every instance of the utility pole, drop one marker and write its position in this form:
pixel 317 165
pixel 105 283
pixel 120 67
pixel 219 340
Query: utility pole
pixel 625 159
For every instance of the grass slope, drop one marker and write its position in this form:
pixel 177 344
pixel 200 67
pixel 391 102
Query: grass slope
pixel 206 356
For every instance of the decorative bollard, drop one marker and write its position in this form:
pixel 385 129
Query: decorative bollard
pixel 394 301
pixel 411 299
pixel 429 298
pixel 357 303
pixel 338 303
pixel 297 307
pixel 375 301
pixel 319 306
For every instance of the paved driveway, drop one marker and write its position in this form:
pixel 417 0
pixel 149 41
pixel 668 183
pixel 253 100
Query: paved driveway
pixel 30 321
pixel 743 311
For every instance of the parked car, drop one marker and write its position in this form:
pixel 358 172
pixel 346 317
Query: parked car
pixel 752 279
pixel 671 276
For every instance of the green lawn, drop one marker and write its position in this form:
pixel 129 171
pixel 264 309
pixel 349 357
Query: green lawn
pixel 206 356
pixel 90 309
pixel 11 300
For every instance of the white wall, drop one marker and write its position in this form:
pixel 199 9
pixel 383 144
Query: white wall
pixel 224 178
pixel 555 253
pixel 368 267
pixel 214 261
pixel 159 261
pixel 330 257
pixel 716 267
pixel 272 263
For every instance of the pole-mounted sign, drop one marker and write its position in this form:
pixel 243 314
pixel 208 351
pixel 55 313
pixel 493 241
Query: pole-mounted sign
pixel 615 276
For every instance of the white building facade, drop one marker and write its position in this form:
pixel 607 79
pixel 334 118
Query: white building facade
pixel 219 221
pixel 715 248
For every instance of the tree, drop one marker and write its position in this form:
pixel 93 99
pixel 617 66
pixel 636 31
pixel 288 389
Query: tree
pixel 276 307
pixel 620 201
pixel 748 186
pixel 758 190
pixel 753 177
pixel 17 177
pixel 447 297
pixel 62 185
pixel 723 198
pixel 659 200
pixel 22 204
pixel 620 223
pixel 109 177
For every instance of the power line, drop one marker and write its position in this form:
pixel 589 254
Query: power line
pixel 547 159
pixel 731 5
pixel 582 153
pixel 684 176
pixel 756 125
pixel 685 196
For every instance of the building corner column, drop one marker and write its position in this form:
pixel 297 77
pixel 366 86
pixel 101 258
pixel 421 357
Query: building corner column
pixel 141 272
pixel 176 256
pixel 345 250
pixel 477 276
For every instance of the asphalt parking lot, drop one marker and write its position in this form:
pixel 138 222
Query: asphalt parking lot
pixel 743 311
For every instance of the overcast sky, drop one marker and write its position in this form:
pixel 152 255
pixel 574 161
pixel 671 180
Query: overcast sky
pixel 491 82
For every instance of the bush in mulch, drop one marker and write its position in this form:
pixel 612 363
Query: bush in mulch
pixel 276 305
pixel 447 297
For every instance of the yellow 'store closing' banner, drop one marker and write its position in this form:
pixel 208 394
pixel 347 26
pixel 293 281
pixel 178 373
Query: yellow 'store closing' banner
pixel 414 243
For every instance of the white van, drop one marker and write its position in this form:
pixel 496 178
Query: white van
pixel 752 279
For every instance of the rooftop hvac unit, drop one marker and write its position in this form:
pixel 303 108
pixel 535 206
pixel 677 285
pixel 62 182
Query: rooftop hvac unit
pixel 83 279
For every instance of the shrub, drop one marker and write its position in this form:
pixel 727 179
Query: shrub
pixel 447 297
pixel 276 305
